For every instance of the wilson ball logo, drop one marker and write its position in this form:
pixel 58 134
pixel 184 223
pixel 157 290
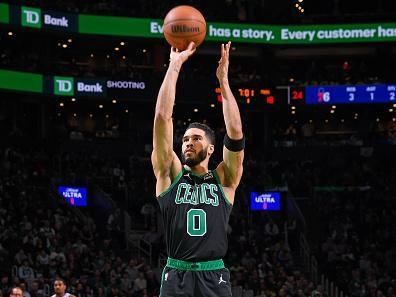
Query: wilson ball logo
pixel 184 29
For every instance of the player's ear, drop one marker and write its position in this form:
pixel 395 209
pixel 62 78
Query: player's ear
pixel 210 149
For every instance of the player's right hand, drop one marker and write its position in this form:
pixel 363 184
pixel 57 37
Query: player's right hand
pixel 182 56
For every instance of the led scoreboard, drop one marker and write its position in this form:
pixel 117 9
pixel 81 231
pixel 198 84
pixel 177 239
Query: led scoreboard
pixel 251 95
pixel 348 94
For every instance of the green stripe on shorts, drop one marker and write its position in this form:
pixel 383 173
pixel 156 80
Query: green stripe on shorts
pixel 195 266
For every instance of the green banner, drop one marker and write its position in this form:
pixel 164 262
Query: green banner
pixel 311 34
pixel 21 81
pixel 121 26
pixel 302 34
pixel 4 13
pixel 220 32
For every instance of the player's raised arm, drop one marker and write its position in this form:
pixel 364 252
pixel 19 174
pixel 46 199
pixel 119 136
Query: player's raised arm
pixel 234 142
pixel 164 160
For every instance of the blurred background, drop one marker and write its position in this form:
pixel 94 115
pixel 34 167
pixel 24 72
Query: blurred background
pixel 78 84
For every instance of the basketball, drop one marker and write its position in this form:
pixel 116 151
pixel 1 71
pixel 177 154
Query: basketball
pixel 184 24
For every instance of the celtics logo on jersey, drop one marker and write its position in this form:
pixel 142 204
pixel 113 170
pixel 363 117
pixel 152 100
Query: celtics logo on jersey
pixel 197 194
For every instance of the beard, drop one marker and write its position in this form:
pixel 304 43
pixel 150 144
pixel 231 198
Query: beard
pixel 191 162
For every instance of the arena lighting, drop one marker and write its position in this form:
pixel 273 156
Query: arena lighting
pixel 64 45
pixel 390 109
pixel 302 10
pixel 394 105
pixel 10 33
pixel 332 111
pixel 297 5
pixel 61 104
pixel 100 106
pixel 116 49
pixel 107 56
pixel 377 119
pixel 212 105
pixel 195 109
pixel 293 107
pixel 291 79
pixel 122 43
pixel 144 50
pixel 114 101
pixel 189 120
pixel 107 116
pixel 293 112
pixel 70 40
pixel 90 115
pixel 74 114
pixel 73 99
pixel 342 120
pixel 123 57
pixel 326 121
pixel 394 119
pixel 311 121
pixel 92 55
pixel 334 107
pixel 126 110
pixel 59 114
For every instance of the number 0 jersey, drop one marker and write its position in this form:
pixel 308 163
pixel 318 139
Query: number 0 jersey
pixel 195 214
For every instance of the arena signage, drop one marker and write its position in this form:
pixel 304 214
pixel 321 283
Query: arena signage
pixel 90 87
pixel 75 196
pixel 4 13
pixel 60 21
pixel 123 84
pixel 263 201
pixel 220 32
pixel 35 18
pixel 64 85
pixel 21 81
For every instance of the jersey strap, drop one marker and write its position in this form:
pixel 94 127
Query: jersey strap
pixel 195 266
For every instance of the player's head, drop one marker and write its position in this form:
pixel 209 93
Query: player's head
pixel 59 286
pixel 16 292
pixel 197 144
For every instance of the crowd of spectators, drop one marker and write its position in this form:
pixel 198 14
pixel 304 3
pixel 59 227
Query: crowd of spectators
pixel 42 238
pixel 357 246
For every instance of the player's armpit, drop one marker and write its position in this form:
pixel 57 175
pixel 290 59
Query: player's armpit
pixel 166 175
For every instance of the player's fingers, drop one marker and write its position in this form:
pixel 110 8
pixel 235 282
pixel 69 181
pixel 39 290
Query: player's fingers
pixel 191 46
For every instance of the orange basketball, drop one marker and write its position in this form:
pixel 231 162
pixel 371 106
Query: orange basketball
pixel 184 24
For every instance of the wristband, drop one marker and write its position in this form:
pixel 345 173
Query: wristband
pixel 234 145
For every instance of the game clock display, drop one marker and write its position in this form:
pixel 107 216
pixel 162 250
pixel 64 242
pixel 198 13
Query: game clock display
pixel 251 95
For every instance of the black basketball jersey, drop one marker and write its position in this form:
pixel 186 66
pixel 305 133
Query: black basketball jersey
pixel 195 214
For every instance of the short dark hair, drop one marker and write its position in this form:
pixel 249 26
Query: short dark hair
pixel 209 133
pixel 59 279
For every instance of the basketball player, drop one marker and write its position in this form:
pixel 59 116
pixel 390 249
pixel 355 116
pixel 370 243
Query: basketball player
pixel 60 288
pixel 196 202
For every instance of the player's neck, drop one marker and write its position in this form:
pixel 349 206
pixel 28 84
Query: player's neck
pixel 200 169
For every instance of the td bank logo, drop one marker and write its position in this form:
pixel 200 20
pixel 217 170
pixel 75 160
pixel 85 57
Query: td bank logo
pixel 64 85
pixel 31 17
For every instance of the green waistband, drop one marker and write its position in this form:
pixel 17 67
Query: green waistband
pixel 195 266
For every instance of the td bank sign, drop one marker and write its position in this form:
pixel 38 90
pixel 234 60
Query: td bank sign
pixel 35 18
pixel 64 85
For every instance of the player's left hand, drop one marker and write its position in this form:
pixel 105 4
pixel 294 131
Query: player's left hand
pixel 222 69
